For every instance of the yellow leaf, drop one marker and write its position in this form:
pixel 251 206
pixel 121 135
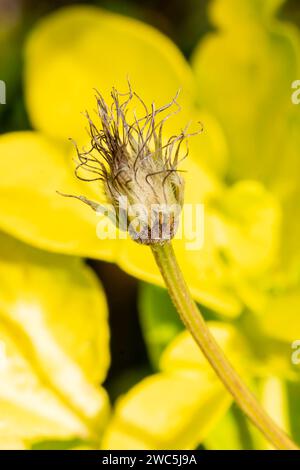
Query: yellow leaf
pixel 247 227
pixel 280 318
pixel 177 408
pixel 54 343
pixel 166 411
pixel 245 70
pixel 80 48
pixel 29 410
pixel 184 355
pixel 33 168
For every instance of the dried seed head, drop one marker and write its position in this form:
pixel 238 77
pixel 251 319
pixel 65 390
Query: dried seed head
pixel 138 170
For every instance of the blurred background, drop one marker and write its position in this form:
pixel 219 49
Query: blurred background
pixel 185 23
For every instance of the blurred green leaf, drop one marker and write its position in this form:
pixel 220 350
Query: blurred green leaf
pixel 159 320
pixel 57 445
pixel 293 390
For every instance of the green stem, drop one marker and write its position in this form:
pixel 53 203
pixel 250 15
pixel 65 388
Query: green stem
pixel 195 323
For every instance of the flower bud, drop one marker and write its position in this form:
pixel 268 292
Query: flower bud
pixel 138 170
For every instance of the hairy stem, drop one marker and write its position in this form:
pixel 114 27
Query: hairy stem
pixel 195 323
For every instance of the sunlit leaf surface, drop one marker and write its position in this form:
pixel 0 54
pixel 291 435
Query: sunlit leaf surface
pixel 54 346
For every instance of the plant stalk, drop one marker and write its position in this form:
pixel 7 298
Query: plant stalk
pixel 196 325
